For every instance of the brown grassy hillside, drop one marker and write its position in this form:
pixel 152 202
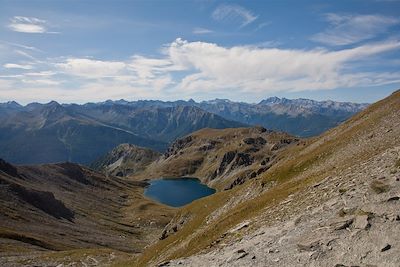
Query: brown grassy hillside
pixel 70 209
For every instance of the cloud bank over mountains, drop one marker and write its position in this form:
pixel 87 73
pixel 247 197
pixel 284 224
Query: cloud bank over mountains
pixel 193 68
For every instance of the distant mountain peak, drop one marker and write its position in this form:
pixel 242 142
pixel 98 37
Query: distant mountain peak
pixel 53 104
pixel 11 104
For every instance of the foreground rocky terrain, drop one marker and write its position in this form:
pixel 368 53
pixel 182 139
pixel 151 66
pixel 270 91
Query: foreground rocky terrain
pixel 358 224
pixel 329 201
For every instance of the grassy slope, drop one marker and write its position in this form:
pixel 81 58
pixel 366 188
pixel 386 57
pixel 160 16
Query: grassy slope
pixel 301 166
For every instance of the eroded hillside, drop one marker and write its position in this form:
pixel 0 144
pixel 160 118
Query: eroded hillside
pixel 125 159
pixel 66 213
pixel 221 158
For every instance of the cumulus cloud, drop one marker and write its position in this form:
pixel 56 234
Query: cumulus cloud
pixel 350 29
pixel 234 13
pixel 90 68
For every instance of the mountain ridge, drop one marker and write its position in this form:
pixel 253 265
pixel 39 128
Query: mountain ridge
pixel 52 132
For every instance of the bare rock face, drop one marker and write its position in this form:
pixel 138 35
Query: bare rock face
pixel 341 223
pixel 175 225
pixel 226 160
pixel 125 160
pixel 178 145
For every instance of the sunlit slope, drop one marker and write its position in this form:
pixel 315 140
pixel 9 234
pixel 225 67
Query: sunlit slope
pixel 206 222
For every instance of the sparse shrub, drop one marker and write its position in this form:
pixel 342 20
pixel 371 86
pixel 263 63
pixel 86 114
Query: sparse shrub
pixel 379 187
pixel 342 190
pixel 397 164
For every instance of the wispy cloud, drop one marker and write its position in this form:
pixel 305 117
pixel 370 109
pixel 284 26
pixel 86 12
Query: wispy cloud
pixel 247 68
pixel 203 70
pixel 262 25
pixel 27 47
pixel 234 13
pixel 17 66
pixel 28 25
pixel 201 31
pixel 351 29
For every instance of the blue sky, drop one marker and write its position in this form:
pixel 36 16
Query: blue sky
pixel 81 51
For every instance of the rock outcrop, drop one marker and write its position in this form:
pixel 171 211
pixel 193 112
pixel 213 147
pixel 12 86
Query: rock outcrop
pixel 221 158
pixel 125 160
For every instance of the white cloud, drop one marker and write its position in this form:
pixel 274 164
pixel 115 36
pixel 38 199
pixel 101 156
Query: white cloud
pixel 17 66
pixel 28 25
pixel 201 31
pixel 203 70
pixel 262 25
pixel 350 29
pixel 41 82
pixel 25 54
pixel 234 13
pixel 27 47
pixel 268 69
pixel 90 68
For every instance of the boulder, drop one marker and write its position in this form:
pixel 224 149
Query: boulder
pixel 342 223
pixel 361 222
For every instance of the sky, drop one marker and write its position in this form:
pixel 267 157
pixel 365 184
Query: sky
pixel 90 50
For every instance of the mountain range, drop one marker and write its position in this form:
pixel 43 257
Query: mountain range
pixel 45 133
pixel 53 132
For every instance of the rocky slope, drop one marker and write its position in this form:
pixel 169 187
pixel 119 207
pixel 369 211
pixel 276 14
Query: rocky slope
pixel 66 213
pixel 329 201
pixel 221 158
pixel 124 160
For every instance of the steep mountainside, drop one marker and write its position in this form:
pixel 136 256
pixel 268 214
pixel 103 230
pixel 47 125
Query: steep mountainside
pixel 330 201
pixel 158 123
pixel 65 207
pixel 52 132
pixel 221 158
pixel 124 160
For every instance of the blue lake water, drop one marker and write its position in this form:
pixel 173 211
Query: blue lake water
pixel 177 192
